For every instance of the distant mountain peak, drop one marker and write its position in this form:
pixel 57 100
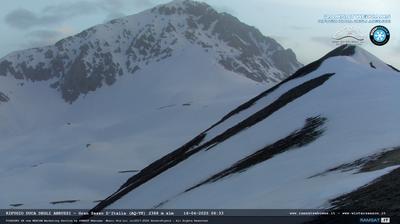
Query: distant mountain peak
pixel 97 56
pixel 189 7
pixel 185 4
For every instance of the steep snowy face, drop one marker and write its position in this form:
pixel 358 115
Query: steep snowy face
pixel 159 88
pixel 97 56
pixel 325 131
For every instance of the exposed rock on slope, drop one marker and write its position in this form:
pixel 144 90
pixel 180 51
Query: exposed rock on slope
pixel 97 56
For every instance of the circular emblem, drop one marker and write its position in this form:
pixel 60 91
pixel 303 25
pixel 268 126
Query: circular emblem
pixel 379 35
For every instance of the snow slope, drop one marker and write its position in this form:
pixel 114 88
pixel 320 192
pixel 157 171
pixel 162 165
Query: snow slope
pixel 74 151
pixel 132 90
pixel 299 144
pixel 99 56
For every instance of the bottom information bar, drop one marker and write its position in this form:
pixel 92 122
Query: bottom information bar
pixel 258 216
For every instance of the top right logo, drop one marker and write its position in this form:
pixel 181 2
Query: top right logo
pixel 379 35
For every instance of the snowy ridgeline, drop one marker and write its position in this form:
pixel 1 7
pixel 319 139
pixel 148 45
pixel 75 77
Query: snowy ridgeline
pixel 99 56
pixel 322 133
pixel 80 117
pixel 80 151
pixel 174 71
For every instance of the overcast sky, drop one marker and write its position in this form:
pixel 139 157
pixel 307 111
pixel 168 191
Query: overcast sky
pixel 294 24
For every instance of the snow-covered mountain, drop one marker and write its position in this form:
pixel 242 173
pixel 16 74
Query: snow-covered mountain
pixel 316 140
pixel 136 89
pixel 100 55
pixel 165 75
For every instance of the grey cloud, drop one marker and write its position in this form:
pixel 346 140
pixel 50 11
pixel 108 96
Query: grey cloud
pixel 55 14
pixel 51 15
pixel 23 18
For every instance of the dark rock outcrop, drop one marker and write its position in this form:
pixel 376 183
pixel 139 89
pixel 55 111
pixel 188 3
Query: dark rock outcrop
pixel 3 97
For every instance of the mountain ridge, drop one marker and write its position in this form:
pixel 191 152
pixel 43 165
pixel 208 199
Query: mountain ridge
pixel 97 56
pixel 232 126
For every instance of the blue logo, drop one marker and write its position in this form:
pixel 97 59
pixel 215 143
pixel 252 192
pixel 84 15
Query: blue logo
pixel 379 35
